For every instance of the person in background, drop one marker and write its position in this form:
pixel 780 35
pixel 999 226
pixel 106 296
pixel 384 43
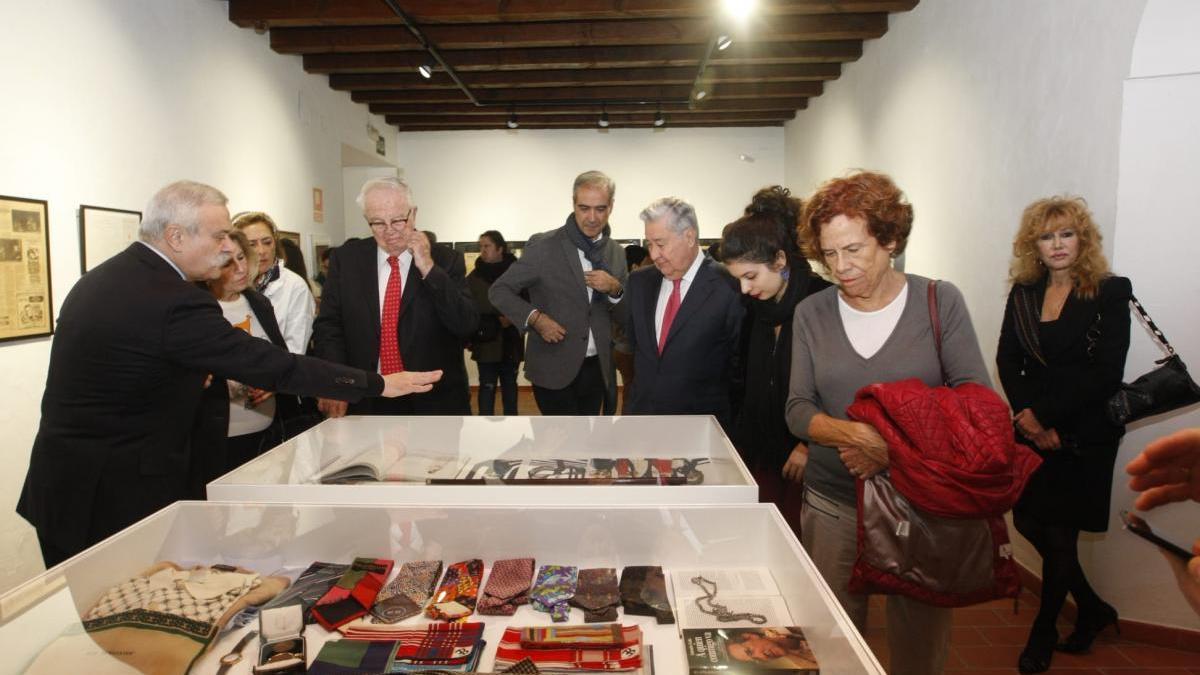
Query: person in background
pixel 636 257
pixel 497 345
pixel 574 276
pixel 761 252
pixel 293 259
pixel 872 326
pixel 322 266
pixel 288 292
pixel 396 302
pixel 1166 471
pixel 1061 356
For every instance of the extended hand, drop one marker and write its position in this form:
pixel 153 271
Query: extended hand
pixel 1168 470
pixel 1047 440
pixel 859 463
pixel 602 281
pixel 793 468
pixel 548 328
pixel 1028 424
pixel 409 382
pixel 331 407
pixel 255 396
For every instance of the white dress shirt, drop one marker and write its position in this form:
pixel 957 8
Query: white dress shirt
pixel 294 308
pixel 664 293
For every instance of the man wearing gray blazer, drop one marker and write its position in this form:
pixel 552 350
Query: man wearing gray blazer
pixel 573 277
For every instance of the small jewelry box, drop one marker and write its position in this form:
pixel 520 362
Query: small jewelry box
pixel 284 648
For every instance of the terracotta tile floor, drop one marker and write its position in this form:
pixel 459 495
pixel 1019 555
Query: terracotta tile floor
pixel 987 639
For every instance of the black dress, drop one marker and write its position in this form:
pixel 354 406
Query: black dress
pixel 1084 360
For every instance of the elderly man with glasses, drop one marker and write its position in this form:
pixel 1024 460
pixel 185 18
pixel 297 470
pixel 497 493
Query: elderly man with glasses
pixel 396 302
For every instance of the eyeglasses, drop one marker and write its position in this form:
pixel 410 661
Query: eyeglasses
pixel 394 223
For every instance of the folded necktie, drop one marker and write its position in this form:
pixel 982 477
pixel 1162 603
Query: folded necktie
pixel 644 593
pixel 554 657
pixel 407 594
pixel 555 585
pixel 312 584
pixel 507 587
pixel 597 594
pixel 353 594
pixel 455 597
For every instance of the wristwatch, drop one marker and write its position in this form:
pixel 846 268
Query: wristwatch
pixel 234 656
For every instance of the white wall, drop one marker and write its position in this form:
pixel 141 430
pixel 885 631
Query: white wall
pixel 977 108
pixel 107 101
pixel 1156 244
pixel 519 182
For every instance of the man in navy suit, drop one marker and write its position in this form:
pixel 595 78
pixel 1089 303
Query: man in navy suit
pixel 425 324
pixel 684 320
pixel 135 344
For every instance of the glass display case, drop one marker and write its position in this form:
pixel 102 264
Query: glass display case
pixel 40 620
pixel 677 459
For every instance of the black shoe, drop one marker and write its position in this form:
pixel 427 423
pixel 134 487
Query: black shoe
pixel 1088 627
pixel 1039 649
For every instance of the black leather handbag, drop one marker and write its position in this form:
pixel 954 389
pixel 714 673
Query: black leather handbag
pixel 1166 388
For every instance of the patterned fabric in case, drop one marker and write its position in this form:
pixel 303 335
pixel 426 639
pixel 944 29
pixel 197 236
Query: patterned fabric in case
pixel 584 637
pixel 555 585
pixel 553 657
pixel 164 619
pixel 455 597
pixel 507 587
pixel 644 593
pixel 598 594
pixel 407 593
pixel 313 582
pixel 353 594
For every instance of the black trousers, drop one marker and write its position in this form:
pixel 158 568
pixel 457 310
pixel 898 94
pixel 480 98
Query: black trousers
pixel 583 396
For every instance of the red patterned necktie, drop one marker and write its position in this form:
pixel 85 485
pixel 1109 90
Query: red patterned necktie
pixel 389 342
pixel 669 315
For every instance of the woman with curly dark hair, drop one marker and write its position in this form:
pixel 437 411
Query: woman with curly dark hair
pixel 1061 356
pixel 760 251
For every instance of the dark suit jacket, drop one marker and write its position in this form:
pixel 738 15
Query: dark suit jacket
pixel 437 315
pixel 133 346
pixel 1068 394
pixel 694 373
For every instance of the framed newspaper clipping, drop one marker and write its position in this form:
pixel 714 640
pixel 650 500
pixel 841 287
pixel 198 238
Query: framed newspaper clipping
pixel 25 305
pixel 103 233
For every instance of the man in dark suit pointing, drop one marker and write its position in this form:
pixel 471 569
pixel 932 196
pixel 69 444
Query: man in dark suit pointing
pixel 684 320
pixel 135 343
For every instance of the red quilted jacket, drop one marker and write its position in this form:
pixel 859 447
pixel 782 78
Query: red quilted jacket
pixel 952 451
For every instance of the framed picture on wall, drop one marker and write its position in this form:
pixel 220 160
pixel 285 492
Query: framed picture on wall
pixel 294 236
pixel 25 302
pixel 103 233
pixel 470 251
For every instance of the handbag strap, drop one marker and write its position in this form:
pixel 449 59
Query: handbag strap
pixel 936 320
pixel 1154 329
pixel 1024 303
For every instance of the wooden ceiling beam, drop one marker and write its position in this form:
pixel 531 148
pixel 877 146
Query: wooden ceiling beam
pixel 588 78
pixel 716 105
pixel 643 118
pixel 567 58
pixel 582 125
pixel 574 33
pixel 598 94
pixel 268 14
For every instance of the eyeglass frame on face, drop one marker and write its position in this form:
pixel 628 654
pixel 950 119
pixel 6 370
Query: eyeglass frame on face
pixel 393 224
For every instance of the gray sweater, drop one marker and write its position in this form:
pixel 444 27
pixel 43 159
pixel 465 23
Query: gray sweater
pixel 827 372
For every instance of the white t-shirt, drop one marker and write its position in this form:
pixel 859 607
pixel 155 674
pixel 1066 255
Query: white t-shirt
pixel 294 308
pixel 868 331
pixel 243 420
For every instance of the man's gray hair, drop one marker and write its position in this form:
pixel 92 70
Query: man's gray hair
pixel 680 216
pixel 179 203
pixel 597 179
pixel 384 183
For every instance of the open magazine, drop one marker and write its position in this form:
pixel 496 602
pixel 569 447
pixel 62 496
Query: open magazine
pixel 735 651
pixel 388 464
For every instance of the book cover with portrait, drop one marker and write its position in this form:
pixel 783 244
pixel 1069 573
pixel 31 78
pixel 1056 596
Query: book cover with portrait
pixel 732 651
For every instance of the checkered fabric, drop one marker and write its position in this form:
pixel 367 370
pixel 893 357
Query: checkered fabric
pixel 583 637
pixel 353 594
pixel 628 656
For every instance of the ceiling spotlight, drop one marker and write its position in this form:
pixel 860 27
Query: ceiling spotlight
pixel 723 42
pixel 659 120
pixel 738 9
pixel 426 70
pixel 512 121
pixel 701 94
pixel 603 122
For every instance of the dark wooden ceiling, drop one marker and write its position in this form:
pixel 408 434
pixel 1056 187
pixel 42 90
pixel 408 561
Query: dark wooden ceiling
pixel 561 63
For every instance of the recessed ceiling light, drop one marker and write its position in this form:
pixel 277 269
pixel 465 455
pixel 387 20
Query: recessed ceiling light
pixel 659 120
pixel 723 42
pixel 701 94
pixel 426 70
pixel 603 122
pixel 738 9
pixel 512 121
